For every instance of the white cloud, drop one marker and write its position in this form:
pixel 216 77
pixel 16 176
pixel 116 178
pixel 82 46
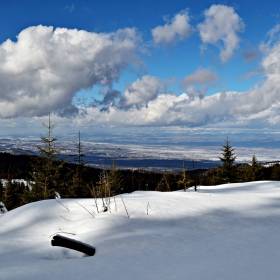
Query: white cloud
pixel 258 107
pixel 177 28
pixel 221 24
pixel 199 82
pixel 45 68
pixel 201 76
pixel 142 91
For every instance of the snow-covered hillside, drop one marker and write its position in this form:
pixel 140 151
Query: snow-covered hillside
pixel 226 232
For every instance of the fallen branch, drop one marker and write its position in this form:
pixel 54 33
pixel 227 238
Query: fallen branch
pixel 73 244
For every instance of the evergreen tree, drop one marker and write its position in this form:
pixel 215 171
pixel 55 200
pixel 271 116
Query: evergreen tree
pixel 256 170
pixel 15 194
pixel 227 172
pixel 247 172
pixel 46 175
pixel 80 188
pixel 276 172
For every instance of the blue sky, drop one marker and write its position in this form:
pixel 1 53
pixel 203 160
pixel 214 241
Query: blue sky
pixel 131 64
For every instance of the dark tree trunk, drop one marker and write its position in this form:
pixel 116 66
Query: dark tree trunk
pixel 73 244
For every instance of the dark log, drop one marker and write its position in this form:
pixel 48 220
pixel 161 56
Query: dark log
pixel 73 244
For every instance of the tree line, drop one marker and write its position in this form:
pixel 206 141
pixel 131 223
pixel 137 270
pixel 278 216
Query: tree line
pixel 50 175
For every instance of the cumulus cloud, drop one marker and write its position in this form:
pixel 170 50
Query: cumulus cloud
pixel 257 107
pixel 46 67
pixel 198 83
pixel 176 29
pixel 220 27
pixel 142 91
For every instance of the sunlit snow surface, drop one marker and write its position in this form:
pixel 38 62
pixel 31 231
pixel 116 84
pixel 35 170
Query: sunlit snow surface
pixel 221 232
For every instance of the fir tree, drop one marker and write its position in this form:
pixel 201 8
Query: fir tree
pixel 227 172
pixel 80 188
pixel 256 170
pixel 46 175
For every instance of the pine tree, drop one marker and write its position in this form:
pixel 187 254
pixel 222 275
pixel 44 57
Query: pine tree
pixel 46 175
pixel 80 188
pixel 256 170
pixel 227 172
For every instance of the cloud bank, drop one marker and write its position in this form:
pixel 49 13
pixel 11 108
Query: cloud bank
pixel 257 107
pixel 46 67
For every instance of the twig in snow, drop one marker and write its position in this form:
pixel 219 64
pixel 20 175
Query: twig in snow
pixel 85 209
pixel 125 207
pixel 62 232
pixel 65 218
pixel 62 204
pixel 94 197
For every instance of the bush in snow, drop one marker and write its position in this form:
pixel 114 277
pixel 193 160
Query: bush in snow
pixel 3 209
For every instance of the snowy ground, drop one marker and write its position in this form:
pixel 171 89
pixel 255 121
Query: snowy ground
pixel 223 232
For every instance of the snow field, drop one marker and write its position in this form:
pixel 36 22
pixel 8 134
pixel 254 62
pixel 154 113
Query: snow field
pixel 223 232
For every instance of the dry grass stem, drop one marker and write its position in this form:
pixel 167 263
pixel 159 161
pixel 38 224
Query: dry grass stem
pixel 85 209
pixel 62 205
pixel 125 207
